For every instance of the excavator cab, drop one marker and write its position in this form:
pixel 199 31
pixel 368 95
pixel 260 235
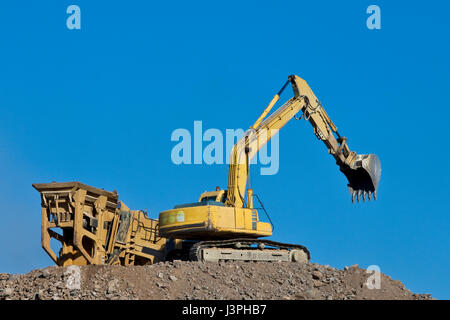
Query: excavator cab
pixel 217 196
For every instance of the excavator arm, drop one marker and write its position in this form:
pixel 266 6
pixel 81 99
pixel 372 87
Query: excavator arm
pixel 362 171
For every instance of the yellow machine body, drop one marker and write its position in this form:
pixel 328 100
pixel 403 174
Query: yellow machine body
pixel 209 218
pixel 94 227
pixel 212 221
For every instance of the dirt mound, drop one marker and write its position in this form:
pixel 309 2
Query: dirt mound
pixel 197 280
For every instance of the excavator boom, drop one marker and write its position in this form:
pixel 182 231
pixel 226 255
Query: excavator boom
pixel 362 171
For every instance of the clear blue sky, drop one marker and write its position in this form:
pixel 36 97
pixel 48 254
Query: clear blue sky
pixel 98 105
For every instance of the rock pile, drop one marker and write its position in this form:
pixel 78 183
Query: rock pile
pixel 198 280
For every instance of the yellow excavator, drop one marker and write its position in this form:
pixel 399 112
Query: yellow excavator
pixel 224 225
pixel 221 225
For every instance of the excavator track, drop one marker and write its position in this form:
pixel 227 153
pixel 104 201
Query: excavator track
pixel 248 250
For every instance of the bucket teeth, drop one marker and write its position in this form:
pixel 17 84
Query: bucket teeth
pixel 363 195
pixel 363 176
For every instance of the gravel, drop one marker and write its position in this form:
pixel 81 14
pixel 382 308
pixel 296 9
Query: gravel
pixel 198 280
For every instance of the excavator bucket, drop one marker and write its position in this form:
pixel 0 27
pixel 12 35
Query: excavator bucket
pixel 364 177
